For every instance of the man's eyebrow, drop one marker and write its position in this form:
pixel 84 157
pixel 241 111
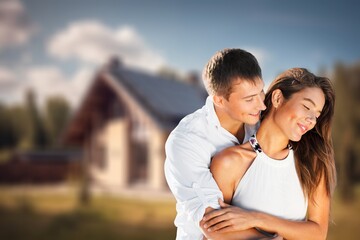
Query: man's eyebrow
pixel 252 95
pixel 248 96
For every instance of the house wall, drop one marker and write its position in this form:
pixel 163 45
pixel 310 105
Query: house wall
pixel 147 158
pixel 114 173
pixel 129 148
pixel 147 142
pixel 156 148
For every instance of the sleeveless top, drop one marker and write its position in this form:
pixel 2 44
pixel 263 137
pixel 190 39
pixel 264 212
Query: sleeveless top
pixel 271 186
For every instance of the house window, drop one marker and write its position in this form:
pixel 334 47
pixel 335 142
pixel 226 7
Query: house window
pixel 99 157
pixel 139 149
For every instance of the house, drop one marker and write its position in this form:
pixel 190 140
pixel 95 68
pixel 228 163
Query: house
pixel 123 122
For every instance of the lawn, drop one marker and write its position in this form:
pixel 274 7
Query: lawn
pixel 56 215
pixel 345 218
pixel 45 215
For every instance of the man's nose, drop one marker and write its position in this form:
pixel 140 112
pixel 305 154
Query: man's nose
pixel 261 104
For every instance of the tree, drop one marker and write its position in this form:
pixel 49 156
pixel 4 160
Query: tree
pixel 57 112
pixel 20 125
pixel 346 130
pixel 7 136
pixel 169 73
pixel 37 132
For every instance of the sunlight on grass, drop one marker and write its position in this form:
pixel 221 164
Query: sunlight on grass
pixel 45 215
pixel 346 218
pixel 136 212
pixel 57 215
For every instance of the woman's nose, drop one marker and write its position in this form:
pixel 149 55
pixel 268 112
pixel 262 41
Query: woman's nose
pixel 311 118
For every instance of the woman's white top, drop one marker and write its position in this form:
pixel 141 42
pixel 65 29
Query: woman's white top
pixel 271 186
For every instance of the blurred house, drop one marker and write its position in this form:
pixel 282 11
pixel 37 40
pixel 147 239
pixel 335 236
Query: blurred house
pixel 123 122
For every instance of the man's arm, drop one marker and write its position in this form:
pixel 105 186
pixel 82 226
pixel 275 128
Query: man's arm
pixel 231 232
pixel 188 175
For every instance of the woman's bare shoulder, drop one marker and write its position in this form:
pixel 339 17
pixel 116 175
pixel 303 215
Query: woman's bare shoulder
pixel 240 156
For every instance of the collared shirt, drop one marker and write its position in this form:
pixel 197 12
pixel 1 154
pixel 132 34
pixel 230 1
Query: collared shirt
pixel 189 149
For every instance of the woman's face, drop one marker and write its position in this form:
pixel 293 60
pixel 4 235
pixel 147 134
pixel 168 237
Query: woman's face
pixel 299 114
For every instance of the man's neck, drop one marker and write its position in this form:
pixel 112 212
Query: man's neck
pixel 236 128
pixel 240 135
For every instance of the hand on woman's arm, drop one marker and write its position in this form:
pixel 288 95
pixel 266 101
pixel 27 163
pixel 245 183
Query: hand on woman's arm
pixel 227 177
pixel 246 234
pixel 230 219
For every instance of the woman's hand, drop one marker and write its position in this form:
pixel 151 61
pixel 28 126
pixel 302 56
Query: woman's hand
pixel 228 219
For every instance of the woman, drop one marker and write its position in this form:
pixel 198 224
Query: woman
pixel 283 178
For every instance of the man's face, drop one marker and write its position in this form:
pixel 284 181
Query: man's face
pixel 245 102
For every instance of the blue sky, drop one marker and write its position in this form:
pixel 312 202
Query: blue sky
pixel 55 46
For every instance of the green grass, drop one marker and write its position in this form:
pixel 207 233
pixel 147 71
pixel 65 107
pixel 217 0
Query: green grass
pixel 42 215
pixel 345 218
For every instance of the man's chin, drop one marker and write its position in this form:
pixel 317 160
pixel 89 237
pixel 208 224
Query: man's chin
pixel 253 121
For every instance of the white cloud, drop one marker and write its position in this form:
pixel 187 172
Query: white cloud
pixel 93 42
pixel 15 26
pixel 49 81
pixel 46 81
pixel 7 77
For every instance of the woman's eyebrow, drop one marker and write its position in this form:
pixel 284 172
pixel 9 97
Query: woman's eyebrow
pixel 311 101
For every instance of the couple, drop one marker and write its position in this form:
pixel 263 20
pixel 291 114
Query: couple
pixel 278 176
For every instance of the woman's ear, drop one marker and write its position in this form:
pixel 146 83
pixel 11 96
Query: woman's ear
pixel 276 98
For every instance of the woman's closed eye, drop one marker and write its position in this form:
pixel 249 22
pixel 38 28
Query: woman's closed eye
pixel 306 107
pixel 315 115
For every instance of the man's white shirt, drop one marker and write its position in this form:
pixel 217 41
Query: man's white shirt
pixel 189 149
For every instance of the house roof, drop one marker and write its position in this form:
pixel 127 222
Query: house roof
pixel 168 101
pixel 165 101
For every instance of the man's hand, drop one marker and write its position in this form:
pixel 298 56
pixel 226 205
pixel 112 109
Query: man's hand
pixel 227 219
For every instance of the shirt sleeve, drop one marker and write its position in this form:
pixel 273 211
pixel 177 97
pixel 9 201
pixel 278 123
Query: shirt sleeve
pixel 188 175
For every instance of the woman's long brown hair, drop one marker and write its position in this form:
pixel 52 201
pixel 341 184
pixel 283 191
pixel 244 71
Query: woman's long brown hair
pixel 314 152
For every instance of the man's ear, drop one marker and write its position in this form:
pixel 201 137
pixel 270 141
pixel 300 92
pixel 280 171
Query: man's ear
pixel 218 100
pixel 277 98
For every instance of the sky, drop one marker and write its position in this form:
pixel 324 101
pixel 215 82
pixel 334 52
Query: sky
pixel 55 47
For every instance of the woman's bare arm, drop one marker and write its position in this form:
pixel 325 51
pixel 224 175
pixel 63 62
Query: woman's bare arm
pixel 227 168
pixel 233 219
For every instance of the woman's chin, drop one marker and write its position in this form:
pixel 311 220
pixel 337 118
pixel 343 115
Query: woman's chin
pixel 296 138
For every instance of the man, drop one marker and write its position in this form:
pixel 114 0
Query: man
pixel 233 80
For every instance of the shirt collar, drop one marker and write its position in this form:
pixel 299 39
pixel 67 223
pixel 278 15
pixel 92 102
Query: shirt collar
pixel 211 114
pixel 213 118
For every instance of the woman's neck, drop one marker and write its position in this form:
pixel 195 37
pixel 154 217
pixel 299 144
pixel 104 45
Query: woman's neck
pixel 272 140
